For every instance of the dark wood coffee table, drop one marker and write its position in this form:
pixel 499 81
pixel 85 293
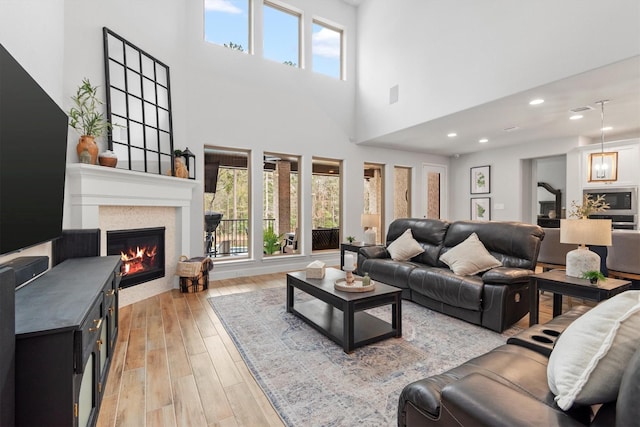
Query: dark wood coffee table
pixel 339 315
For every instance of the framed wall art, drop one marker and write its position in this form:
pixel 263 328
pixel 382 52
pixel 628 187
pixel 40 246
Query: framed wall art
pixel 481 208
pixel 480 180
pixel 603 167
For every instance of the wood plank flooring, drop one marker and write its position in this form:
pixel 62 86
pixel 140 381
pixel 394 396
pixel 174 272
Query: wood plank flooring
pixel 175 365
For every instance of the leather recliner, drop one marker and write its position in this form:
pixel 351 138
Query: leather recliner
pixel 508 387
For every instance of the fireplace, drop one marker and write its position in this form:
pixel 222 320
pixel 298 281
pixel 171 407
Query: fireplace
pixel 142 253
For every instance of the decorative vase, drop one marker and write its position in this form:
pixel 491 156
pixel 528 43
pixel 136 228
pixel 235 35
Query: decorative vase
pixel 108 158
pixel 88 142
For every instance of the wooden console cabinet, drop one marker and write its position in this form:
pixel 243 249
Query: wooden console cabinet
pixel 66 329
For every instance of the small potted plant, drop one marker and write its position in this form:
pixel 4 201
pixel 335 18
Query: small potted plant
pixel 594 276
pixel 87 118
pixel 350 239
pixel 272 241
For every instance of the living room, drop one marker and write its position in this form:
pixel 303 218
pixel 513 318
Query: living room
pixel 482 55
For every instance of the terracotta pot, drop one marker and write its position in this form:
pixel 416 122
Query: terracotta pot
pixel 87 142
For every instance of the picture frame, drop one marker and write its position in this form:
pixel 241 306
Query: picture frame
pixel 480 180
pixel 603 167
pixel 481 208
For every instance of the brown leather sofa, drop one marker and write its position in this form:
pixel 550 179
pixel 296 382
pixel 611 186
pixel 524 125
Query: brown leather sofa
pixel 508 387
pixel 495 299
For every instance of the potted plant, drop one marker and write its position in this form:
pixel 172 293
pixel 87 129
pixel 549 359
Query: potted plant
pixel 271 241
pixel 85 117
pixel 350 239
pixel 594 276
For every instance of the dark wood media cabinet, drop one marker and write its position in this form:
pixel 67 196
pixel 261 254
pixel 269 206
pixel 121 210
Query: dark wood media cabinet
pixel 66 329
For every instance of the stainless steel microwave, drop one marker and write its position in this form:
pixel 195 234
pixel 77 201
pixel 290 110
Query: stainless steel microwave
pixel 621 200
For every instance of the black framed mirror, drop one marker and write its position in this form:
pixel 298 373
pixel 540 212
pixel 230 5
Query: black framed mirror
pixel 138 98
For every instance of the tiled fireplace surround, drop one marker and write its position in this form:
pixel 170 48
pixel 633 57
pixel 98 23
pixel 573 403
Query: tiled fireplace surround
pixel 117 199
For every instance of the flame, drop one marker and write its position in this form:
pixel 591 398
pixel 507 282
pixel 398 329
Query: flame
pixel 138 260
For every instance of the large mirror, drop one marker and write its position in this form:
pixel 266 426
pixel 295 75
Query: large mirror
pixel 138 106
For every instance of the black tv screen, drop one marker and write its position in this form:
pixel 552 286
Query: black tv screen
pixel 33 151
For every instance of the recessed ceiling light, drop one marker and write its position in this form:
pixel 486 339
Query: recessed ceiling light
pixel 576 117
pixel 536 101
pixel 483 141
pixel 452 135
pixel 606 128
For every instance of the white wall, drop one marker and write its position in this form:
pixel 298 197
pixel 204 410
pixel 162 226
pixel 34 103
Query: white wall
pixel 447 56
pixel 221 97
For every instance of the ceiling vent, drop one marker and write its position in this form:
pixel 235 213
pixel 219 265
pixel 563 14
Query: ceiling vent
pixel 511 129
pixel 580 109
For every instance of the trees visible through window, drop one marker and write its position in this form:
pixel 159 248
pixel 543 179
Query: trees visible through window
pixel 226 22
pixel 326 47
pixel 281 182
pixel 326 203
pixel 226 202
pixel 281 34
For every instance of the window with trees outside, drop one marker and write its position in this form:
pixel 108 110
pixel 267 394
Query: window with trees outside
pixel 326 204
pixel 374 198
pixel 326 47
pixel 227 23
pixel 281 34
pixel 281 190
pixel 227 203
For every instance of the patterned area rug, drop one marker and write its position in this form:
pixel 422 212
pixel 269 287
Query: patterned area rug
pixel 312 382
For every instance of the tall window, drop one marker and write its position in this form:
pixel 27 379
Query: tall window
pixel 226 22
pixel 326 46
pixel 280 211
pixel 281 37
pixel 326 204
pixel 226 202
pixel 374 198
pixel 402 192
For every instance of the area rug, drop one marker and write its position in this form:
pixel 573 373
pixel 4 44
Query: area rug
pixel 311 381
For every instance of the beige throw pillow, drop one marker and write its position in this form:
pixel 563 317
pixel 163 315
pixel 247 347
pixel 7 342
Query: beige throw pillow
pixel 405 247
pixel 589 358
pixel 469 257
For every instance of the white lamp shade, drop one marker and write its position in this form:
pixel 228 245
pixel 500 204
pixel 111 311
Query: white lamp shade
pixel 586 231
pixel 370 220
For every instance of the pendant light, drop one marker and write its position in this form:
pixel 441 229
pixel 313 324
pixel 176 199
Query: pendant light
pixel 601 169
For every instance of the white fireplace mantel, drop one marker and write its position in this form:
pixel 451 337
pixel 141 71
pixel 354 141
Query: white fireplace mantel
pixel 92 186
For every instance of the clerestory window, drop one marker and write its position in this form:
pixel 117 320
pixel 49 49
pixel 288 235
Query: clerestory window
pixel 281 34
pixel 227 23
pixel 326 47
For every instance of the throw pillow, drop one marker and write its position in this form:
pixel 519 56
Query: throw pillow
pixel 469 257
pixel 590 356
pixel 405 247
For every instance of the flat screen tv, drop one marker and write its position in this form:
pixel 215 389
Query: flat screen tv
pixel 33 151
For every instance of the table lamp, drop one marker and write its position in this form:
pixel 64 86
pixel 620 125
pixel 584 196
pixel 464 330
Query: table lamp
pixel 584 232
pixel 369 221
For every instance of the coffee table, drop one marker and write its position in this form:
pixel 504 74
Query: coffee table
pixel 559 283
pixel 339 315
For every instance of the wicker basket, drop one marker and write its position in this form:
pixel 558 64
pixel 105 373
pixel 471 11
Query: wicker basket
pixel 188 268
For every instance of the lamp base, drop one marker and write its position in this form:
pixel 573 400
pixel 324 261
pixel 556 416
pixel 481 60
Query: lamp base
pixel 370 237
pixel 580 261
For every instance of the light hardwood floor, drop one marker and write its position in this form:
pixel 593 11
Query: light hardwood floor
pixel 175 365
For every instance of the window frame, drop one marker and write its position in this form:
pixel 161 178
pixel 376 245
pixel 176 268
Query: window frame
pixel 338 29
pixel 289 11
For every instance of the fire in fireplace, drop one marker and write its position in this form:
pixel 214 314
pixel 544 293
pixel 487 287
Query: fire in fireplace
pixel 141 251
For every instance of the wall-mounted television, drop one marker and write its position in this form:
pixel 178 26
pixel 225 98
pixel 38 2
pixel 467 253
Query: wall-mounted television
pixel 33 151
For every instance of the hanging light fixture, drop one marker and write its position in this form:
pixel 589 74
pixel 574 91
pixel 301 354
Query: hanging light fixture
pixel 601 169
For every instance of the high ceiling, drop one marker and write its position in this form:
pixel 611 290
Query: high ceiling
pixel 619 83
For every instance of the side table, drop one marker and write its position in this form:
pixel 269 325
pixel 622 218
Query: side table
pixel 557 282
pixel 351 247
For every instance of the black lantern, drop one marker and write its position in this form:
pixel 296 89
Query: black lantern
pixel 190 162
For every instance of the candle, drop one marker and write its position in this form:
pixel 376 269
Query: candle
pixel 349 261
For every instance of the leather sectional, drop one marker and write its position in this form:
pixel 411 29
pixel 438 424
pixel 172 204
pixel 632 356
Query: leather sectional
pixel 495 299
pixel 509 386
